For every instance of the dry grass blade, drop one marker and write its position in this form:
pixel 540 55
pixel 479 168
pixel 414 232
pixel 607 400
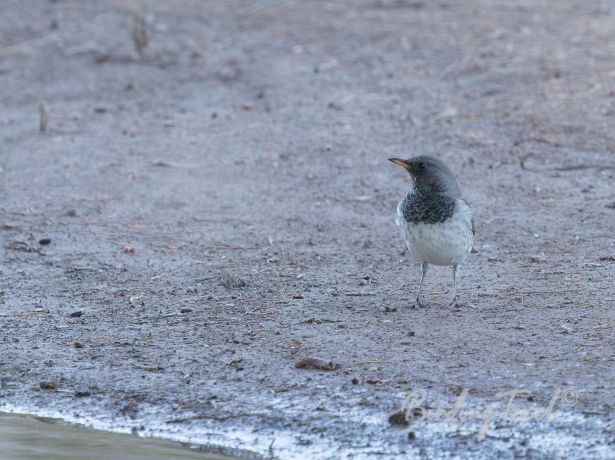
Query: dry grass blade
pixel 28 46
pixel 577 167
pixel 139 33
pixel 43 121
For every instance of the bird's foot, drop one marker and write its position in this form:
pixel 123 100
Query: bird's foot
pixel 453 302
pixel 418 303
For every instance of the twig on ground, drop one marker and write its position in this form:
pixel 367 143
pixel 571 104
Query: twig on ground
pixel 577 167
pixel 28 46
pixel 139 33
pixel 43 120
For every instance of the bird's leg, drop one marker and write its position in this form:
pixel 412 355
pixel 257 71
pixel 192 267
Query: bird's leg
pixel 424 267
pixel 453 302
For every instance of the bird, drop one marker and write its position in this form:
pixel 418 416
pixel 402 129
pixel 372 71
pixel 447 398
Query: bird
pixel 437 221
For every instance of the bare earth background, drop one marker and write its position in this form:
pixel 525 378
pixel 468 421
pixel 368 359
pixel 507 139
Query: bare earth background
pixel 240 148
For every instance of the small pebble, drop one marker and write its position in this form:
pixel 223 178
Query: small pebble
pixel 232 281
pixel 76 314
pixel 82 392
pixel 399 419
pixel 48 385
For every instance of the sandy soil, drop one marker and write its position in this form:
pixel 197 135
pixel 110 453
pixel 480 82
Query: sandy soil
pixel 213 181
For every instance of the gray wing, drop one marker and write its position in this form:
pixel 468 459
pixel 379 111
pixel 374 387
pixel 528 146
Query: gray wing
pixel 473 224
pixel 472 221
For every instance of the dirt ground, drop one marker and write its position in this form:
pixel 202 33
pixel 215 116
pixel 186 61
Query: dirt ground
pixel 212 179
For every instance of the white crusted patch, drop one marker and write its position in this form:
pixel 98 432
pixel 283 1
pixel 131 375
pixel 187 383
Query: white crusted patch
pixel 446 243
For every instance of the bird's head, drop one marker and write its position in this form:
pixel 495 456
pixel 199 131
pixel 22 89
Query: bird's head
pixel 429 173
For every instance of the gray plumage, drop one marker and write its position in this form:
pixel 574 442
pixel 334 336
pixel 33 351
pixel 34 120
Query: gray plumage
pixel 437 221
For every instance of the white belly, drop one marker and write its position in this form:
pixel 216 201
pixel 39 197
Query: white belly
pixel 446 243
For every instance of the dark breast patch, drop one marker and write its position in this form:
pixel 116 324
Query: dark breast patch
pixel 425 208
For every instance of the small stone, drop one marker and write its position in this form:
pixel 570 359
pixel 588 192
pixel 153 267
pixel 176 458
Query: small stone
pixel 78 345
pixel 231 281
pixel 76 314
pixel 314 320
pixel 536 259
pixel 71 213
pixel 44 241
pixel 82 392
pixel 399 419
pixel 318 364
pixel 185 310
pixel 44 385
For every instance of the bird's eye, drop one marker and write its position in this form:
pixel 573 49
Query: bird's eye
pixel 421 166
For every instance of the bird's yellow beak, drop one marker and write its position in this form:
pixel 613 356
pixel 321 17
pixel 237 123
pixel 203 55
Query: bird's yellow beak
pixel 400 162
